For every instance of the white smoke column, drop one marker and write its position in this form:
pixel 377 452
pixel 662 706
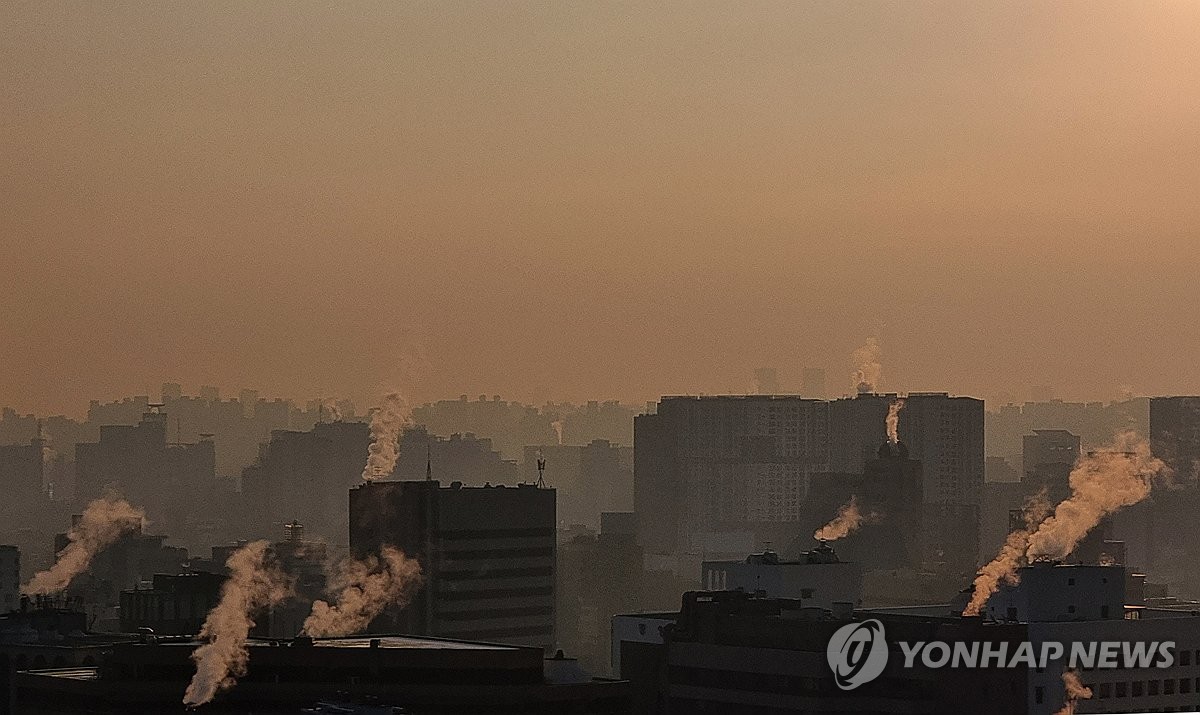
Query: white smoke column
pixel 255 582
pixel 364 589
pixel 1101 483
pixel 329 407
pixel 867 370
pixel 104 521
pixel 848 520
pixel 893 421
pixel 1003 568
pixel 388 420
pixel 1074 692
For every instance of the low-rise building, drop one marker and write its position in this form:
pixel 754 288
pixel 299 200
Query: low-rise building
pixel 818 577
pixel 424 675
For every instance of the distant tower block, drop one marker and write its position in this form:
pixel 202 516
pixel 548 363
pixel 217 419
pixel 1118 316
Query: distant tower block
pixel 767 381
pixel 293 533
pixel 812 383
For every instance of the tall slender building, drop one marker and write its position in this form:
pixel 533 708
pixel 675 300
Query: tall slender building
pixel 487 553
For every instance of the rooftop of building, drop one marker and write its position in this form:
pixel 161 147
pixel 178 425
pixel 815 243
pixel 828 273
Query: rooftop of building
pixel 822 554
pixel 455 486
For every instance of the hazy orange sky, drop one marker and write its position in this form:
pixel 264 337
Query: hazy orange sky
pixel 596 200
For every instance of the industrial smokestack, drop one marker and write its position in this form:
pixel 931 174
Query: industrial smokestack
pixel 1075 691
pixel 104 521
pixel 364 588
pixel 867 370
pixel 893 421
pixel 255 582
pixel 387 422
pixel 847 521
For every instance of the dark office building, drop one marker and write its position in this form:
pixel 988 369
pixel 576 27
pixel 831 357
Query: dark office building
pixel 488 555
pixel 21 474
pixel 176 604
pixel 169 480
pixel 304 476
pixel 891 499
pixel 1175 434
pixel 409 674
pixel 599 576
pixel 590 479
pixel 457 458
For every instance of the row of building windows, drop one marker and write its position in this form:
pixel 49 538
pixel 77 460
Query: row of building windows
pixel 1136 688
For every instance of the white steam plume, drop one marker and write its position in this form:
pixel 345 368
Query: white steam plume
pixel 387 422
pixel 849 518
pixel 1075 691
pixel 893 421
pixel 1003 568
pixel 364 589
pixel 104 521
pixel 867 370
pixel 1101 483
pixel 255 582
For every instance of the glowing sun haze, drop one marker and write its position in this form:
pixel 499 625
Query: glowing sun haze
pixel 594 200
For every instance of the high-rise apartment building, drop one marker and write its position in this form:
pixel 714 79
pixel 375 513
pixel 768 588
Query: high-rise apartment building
pixel 745 463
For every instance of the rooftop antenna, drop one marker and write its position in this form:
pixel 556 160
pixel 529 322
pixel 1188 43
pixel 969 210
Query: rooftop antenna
pixel 541 465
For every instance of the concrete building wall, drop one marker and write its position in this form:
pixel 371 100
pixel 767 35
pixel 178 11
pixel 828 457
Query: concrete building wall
pixel 488 554
pixel 10 578
pixel 817 585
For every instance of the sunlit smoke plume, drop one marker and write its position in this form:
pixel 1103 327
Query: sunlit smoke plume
pixel 386 424
pixel 104 521
pixel 558 430
pixel 329 407
pixel 364 589
pixel 255 582
pixel 1075 691
pixel 1101 483
pixel 867 370
pixel 1003 568
pixel 849 518
pixel 893 421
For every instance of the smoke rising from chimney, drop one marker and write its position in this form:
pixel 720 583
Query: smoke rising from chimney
pixel 893 421
pixel 1003 568
pixel 847 521
pixel 255 582
pixel 386 424
pixel 1075 691
pixel 867 370
pixel 364 588
pixel 1101 483
pixel 104 521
